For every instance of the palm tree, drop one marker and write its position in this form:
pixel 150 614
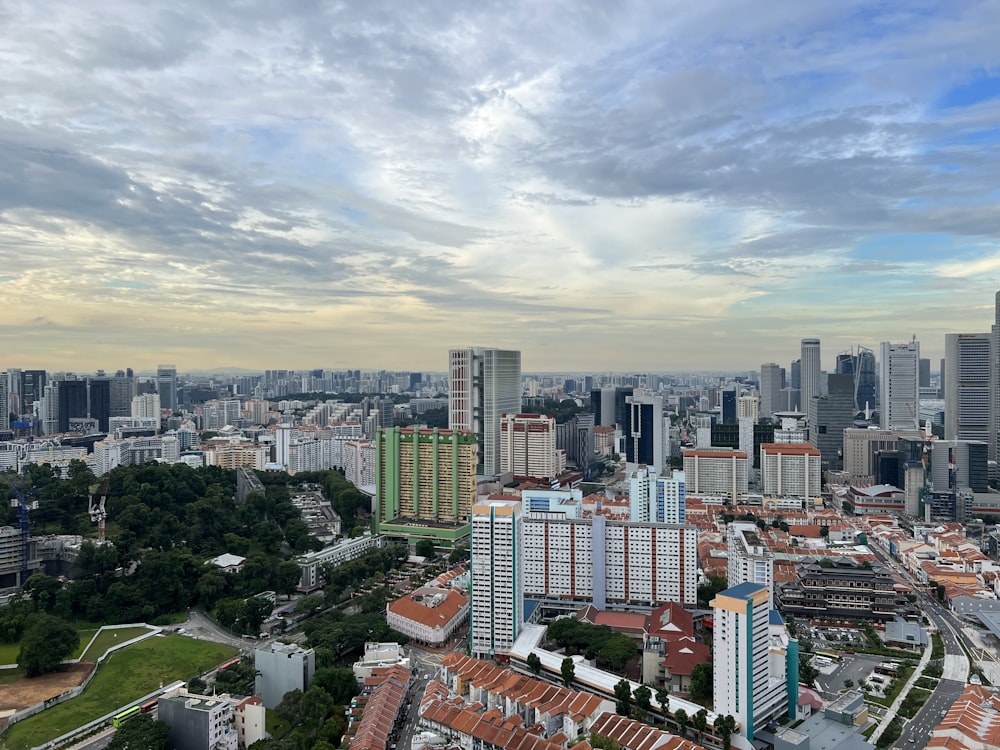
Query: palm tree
pixel 700 723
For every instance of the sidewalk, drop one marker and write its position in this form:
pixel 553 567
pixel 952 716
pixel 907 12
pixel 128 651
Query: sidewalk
pixel 894 708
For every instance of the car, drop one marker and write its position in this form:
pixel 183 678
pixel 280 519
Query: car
pixel 910 739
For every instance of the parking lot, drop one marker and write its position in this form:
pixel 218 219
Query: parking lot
pixel 854 667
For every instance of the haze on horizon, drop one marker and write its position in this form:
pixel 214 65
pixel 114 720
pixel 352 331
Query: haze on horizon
pixel 626 186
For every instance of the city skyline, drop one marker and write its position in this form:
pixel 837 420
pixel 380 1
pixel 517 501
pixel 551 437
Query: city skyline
pixel 635 187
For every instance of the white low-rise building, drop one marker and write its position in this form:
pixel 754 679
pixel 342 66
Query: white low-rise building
pixel 429 615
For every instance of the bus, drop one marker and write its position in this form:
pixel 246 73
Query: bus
pixel 148 706
pixel 227 664
pixel 123 716
pixel 829 655
pixel 887 668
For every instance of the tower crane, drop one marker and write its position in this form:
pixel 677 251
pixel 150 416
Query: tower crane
pixel 98 512
pixel 24 507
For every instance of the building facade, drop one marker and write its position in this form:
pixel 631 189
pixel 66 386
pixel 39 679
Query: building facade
pixel 810 372
pixel 655 498
pixel 483 385
pixel 749 561
pixel 716 471
pixel 425 483
pixel 791 469
pixel 528 446
pixel 899 385
pixel 845 589
pixel 496 610
pixel 281 668
pixel 643 431
pixel 967 386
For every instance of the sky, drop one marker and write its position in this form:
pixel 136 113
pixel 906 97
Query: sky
pixel 605 185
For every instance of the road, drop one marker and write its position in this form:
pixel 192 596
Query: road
pixel 200 626
pixel 956 666
pixel 916 731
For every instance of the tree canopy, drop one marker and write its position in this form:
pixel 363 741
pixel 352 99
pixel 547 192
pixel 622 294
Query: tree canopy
pixel 142 732
pixel 47 640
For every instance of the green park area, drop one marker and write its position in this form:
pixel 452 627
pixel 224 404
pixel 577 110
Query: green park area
pixel 125 676
pixel 107 639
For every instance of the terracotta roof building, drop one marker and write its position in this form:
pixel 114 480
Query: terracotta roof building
pixel 429 615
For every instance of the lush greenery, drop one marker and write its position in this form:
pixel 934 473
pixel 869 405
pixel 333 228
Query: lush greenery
pixel 594 641
pixel 109 638
pixel 334 635
pixel 47 640
pixel 707 591
pixel 125 676
pixel 913 702
pixel 890 735
pixel 937 646
pixel 701 682
pixel 315 717
pixel 142 733
pixel 893 688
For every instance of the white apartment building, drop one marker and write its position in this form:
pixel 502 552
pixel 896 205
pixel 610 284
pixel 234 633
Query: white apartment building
pixel 528 446
pixel 234 453
pixel 750 561
pixel 655 498
pixel 312 563
pixel 748 407
pixel 549 555
pixel 752 659
pixel 360 462
pixel 791 469
pixel 716 471
pixel 146 406
pixel 497 613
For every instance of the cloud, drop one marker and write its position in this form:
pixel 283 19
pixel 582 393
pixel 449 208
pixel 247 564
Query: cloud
pixel 399 178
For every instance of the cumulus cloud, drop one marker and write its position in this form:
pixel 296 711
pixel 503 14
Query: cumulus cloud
pixel 369 183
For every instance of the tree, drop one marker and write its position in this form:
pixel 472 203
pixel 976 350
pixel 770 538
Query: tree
pixel 848 683
pixel 642 697
pixel 534 664
pixel 142 732
pixel 255 612
pixel 725 726
pixel 700 722
pixel 701 681
pixel 715 584
pixel 618 651
pixel 683 721
pixel 807 672
pixel 425 548
pixel 197 685
pixel 47 640
pixel 623 697
pixel 289 575
pixel 339 682
pixel 663 698
pixel 568 672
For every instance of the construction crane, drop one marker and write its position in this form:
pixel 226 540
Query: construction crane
pixel 24 507
pixel 98 511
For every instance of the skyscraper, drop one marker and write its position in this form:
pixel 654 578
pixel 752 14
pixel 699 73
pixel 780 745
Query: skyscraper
pixel 810 373
pixel 967 386
pixel 483 385
pixel 99 401
pixel 772 380
pixel 72 395
pixel 994 382
pixel 899 395
pixel 644 443
pixel 829 416
pixel 749 560
pixel 166 385
pixel 4 403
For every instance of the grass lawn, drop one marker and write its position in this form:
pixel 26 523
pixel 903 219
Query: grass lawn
pixel 125 676
pixel 8 652
pixel 8 676
pixel 107 639
pixel 275 725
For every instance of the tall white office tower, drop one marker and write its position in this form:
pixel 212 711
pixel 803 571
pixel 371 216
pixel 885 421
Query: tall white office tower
pixel 810 373
pixel 749 561
pixel 967 386
pixel 899 381
pixel 495 616
pixel 755 665
pixel 483 385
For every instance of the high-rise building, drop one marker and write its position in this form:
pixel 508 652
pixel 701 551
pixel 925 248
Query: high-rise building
pixel 772 380
pixel 865 380
pixel 716 471
pixel 994 381
pixel 829 416
pixel 425 483
pixel 749 560
pixel 122 390
pixel 899 402
pixel 4 403
pixel 967 389
pixel 925 373
pixel 790 469
pixel 644 435
pixel 748 407
pixel 958 464
pixel 72 395
pixel 728 406
pixel 755 675
pixel 496 615
pixel 810 374
pixel 99 401
pixel 795 374
pixel 656 499
pixel 166 385
pixel 483 385
pixel 33 384
pixel 528 446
